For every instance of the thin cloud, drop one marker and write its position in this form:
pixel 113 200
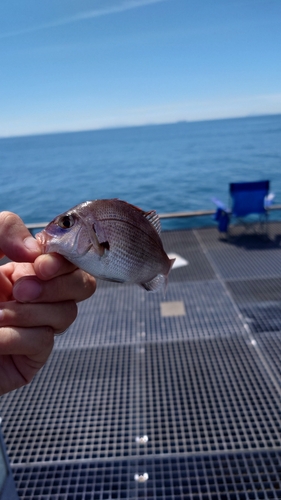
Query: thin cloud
pixel 108 10
pixel 83 16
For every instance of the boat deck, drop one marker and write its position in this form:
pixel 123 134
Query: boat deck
pixel 153 396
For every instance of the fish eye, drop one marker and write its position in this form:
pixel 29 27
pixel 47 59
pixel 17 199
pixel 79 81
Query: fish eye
pixel 66 221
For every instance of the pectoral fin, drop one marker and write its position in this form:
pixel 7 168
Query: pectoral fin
pixel 154 284
pixel 100 242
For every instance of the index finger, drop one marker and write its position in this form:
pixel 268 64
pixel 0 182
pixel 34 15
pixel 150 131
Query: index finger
pixel 15 240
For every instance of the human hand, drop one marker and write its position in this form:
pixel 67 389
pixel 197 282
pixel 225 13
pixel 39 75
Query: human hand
pixel 38 296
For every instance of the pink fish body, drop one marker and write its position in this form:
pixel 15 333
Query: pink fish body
pixel 112 240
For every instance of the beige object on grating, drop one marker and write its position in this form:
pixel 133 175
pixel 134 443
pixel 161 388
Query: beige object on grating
pixel 175 308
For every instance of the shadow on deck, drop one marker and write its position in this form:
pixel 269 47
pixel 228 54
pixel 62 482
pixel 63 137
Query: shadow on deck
pixel 196 372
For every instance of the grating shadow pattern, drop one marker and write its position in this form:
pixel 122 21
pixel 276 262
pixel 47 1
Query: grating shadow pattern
pixel 234 263
pixel 203 396
pixel 213 239
pixel 245 258
pixel 262 316
pixel 133 316
pixel 245 476
pixel 203 387
pixel 258 290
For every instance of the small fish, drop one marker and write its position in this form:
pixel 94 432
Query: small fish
pixel 112 240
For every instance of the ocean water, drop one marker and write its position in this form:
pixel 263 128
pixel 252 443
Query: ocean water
pixel 170 168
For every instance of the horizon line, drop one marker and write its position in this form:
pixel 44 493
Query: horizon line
pixel 118 127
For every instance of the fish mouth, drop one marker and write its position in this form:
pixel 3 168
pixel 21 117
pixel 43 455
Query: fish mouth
pixel 50 243
pixel 44 240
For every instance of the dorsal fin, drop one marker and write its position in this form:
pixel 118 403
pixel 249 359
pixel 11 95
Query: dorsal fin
pixel 153 218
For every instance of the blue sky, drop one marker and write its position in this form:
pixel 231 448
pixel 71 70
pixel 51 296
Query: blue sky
pixel 87 64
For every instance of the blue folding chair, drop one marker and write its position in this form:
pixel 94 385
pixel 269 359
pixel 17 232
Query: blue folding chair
pixel 250 198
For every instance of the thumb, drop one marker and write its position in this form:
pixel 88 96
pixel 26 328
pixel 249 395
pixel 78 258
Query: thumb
pixel 16 241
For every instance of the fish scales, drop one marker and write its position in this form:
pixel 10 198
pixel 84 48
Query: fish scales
pixel 112 240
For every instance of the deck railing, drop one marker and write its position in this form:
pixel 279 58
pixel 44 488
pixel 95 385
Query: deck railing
pixel 171 215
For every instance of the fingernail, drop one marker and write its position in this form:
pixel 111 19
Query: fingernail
pixel 31 244
pixel 27 290
pixel 1 314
